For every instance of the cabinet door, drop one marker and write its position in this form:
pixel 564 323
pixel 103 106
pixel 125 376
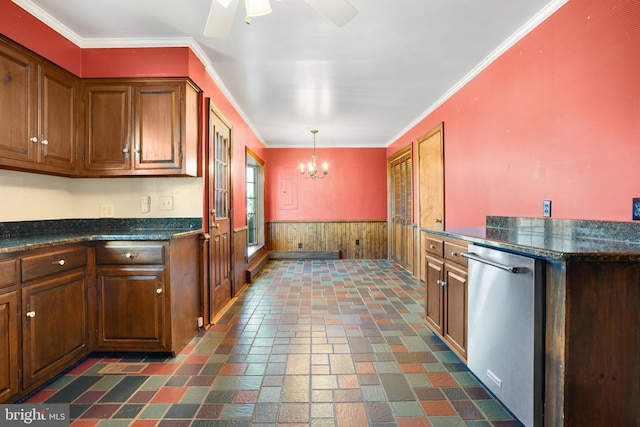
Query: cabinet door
pixel 157 128
pixel 9 363
pixel 107 144
pixel 57 102
pixel 131 309
pixel 456 309
pixel 434 294
pixel 54 332
pixel 18 98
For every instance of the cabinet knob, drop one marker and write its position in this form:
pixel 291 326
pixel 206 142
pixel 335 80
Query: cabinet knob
pixel 59 262
pixel 454 254
pixel 438 220
pixel 33 139
pixel 31 314
pixel 44 142
pixel 159 291
pixel 432 246
pixel 441 283
pixel 125 150
pixel 129 255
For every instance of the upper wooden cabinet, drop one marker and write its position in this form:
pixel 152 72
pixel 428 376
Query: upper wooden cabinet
pixel 38 126
pixel 140 127
pixel 56 123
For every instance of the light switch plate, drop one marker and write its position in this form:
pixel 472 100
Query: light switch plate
pixel 546 208
pixel 145 204
pixel 635 215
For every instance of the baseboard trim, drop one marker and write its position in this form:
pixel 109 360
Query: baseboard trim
pixel 305 254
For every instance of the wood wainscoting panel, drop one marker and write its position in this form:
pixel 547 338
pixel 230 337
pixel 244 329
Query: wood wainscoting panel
pixel 354 239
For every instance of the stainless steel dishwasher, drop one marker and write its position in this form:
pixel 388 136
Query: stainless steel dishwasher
pixel 505 329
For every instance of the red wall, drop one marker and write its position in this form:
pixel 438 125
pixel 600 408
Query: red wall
pixel 355 188
pixel 556 117
pixel 25 29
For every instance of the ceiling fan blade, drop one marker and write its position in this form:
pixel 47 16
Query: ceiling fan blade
pixel 338 11
pixel 220 19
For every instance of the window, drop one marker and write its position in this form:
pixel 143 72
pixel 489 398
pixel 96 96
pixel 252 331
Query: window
pixel 255 201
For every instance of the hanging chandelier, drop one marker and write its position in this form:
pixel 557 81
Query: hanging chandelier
pixel 312 169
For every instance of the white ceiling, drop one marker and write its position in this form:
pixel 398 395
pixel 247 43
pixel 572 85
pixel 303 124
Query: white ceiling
pixel 362 85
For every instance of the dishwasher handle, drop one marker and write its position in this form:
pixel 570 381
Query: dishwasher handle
pixel 509 268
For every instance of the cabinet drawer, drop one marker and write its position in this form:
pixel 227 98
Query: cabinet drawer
pixel 453 252
pixel 52 262
pixel 434 246
pixel 8 273
pixel 130 253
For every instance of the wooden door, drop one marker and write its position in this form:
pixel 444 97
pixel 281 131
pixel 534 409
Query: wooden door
pixel 54 325
pixel 107 144
pixel 431 171
pixel 157 128
pixel 131 307
pixel 219 203
pixel 434 294
pixel 57 102
pixel 401 227
pixel 17 123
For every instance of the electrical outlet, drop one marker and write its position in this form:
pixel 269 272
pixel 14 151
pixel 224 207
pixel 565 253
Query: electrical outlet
pixel 107 211
pixel 357 242
pixel 166 203
pixel 635 214
pixel 299 245
pixel 546 208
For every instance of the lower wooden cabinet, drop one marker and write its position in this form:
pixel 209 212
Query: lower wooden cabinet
pixel 446 291
pixel 9 362
pixel 60 303
pixel 44 309
pixel 130 309
pixel 54 326
pixel 148 295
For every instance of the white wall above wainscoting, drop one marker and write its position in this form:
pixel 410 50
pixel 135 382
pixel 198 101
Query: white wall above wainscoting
pixel 28 196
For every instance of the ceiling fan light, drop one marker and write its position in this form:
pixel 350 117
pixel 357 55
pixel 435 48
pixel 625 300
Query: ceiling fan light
pixel 257 7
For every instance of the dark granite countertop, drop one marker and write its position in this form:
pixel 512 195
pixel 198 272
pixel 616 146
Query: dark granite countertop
pixel 25 235
pixel 555 238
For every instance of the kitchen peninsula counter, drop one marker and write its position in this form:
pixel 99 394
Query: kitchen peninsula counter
pixel 591 324
pixel 27 235
pixel 555 239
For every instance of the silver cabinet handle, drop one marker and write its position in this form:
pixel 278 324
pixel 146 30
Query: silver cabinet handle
pixel 59 262
pixel 31 314
pixel 441 283
pixel 129 255
pixel 33 139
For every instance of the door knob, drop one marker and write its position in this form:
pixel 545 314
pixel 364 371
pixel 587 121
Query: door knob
pixel 215 225
pixel 159 291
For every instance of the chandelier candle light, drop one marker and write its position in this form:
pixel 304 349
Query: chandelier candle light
pixel 312 169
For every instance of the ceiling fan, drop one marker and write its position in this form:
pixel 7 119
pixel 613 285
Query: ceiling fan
pixel 222 12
